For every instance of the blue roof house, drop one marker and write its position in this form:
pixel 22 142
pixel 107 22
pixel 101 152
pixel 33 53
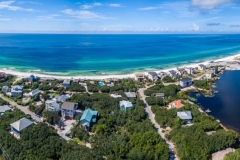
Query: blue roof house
pixel 89 116
pixel 126 105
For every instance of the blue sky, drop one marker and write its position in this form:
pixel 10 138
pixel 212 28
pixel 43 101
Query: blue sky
pixel 120 16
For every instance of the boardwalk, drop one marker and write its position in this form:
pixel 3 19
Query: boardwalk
pixel 151 116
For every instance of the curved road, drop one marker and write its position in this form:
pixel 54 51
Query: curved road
pixel 151 116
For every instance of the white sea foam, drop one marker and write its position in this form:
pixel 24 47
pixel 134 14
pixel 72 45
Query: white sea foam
pixel 59 75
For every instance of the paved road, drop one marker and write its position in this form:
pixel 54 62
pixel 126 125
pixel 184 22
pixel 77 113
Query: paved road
pixel 24 109
pixel 151 116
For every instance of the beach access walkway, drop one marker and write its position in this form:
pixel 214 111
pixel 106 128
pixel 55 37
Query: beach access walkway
pixel 151 116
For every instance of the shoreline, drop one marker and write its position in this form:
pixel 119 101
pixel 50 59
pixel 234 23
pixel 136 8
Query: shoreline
pixel 26 74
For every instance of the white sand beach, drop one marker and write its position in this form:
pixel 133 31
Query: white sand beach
pixel 26 74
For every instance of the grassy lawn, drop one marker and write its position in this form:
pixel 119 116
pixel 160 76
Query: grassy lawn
pixel 79 141
pixel 9 99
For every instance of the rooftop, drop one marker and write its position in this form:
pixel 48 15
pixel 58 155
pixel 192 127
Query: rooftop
pixel 186 79
pixel 178 104
pixel 126 104
pixel 185 115
pixel 68 105
pixel 21 124
pixel 130 94
pixel 140 75
pixel 88 115
pixel 153 73
pixel 67 81
pixel 160 94
pixel 4 108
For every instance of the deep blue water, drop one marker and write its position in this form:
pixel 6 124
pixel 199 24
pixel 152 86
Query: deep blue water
pixel 225 105
pixel 109 54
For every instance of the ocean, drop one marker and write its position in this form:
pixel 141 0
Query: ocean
pixel 225 105
pixel 96 55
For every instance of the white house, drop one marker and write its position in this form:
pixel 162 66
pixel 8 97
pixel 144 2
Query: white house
pixel 185 115
pixel 172 73
pixel 5 89
pixel 33 93
pixel 201 67
pixel 153 76
pixel 61 98
pixel 209 74
pixel 115 95
pixel 16 91
pixel 52 105
pixel 66 83
pixel 181 71
pixel 189 70
pixel 139 77
pixel 126 105
pixel 185 82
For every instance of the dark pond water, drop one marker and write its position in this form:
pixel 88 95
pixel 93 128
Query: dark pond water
pixel 225 105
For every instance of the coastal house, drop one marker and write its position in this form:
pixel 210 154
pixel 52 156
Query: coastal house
pixel 185 82
pixel 66 83
pixel 47 79
pixel 16 91
pixel 5 108
pixel 3 75
pixel 185 115
pixel 31 78
pixel 130 94
pixel 33 93
pixel 181 71
pixel 139 77
pixel 115 95
pixel 126 105
pixel 88 117
pixel 162 75
pixel 68 110
pixel 215 69
pixel 189 70
pixel 5 89
pixel 201 67
pixel 52 105
pixel 176 104
pixel 160 95
pixel 153 76
pixel 173 74
pixel 61 98
pixel 209 74
pixel 19 125
pixel 76 80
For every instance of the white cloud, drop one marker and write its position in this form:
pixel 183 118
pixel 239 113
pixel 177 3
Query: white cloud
pixel 195 27
pixel 115 5
pixel 210 4
pixel 97 4
pixel 48 17
pixel 88 6
pixel 8 5
pixel 83 14
pixel 148 8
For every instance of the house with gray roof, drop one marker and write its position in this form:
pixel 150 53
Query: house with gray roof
pixel 160 95
pixel 16 91
pixel 68 110
pixel 5 108
pixel 89 117
pixel 52 105
pixel 130 94
pixel 34 93
pixel 66 83
pixel 19 125
pixel 61 98
pixel 5 89
pixel 185 82
pixel 126 105
pixel 185 115
pixel 153 76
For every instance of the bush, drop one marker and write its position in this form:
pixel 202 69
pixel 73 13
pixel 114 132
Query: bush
pixel 154 101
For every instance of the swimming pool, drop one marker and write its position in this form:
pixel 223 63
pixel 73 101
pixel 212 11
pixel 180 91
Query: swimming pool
pixel 101 84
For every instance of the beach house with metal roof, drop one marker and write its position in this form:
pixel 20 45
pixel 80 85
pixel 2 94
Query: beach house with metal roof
pixel 130 94
pixel 66 83
pixel 5 108
pixel 61 98
pixel 34 93
pixel 89 117
pixel 68 110
pixel 185 82
pixel 16 91
pixel 153 76
pixel 201 67
pixel 5 89
pixel 185 115
pixel 19 125
pixel 126 105
pixel 52 105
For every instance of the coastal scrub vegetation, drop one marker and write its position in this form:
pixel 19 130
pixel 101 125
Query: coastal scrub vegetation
pixel 233 156
pixel 189 139
pixel 202 84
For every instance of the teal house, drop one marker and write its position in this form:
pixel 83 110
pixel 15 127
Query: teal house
pixel 126 105
pixel 4 109
pixel 89 116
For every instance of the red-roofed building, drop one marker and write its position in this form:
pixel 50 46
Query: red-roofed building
pixel 3 74
pixel 176 104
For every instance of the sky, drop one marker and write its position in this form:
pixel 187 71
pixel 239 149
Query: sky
pixel 117 16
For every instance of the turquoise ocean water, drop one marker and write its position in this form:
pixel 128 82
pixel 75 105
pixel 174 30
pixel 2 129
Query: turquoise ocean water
pixel 94 55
